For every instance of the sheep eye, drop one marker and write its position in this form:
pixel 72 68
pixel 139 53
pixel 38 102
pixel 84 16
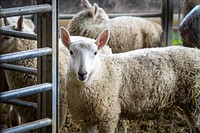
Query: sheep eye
pixel 95 53
pixel 71 53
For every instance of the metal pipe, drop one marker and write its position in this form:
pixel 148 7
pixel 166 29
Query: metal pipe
pixel 28 126
pixel 19 34
pixel 17 68
pixel 5 58
pixel 19 102
pixel 25 10
pixel 13 94
pixel 55 71
pixel 70 16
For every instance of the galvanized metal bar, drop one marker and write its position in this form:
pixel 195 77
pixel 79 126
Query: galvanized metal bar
pixel 41 77
pixel 28 126
pixel 5 58
pixel 17 68
pixel 48 67
pixel 170 21
pixel 18 34
pixel 164 21
pixel 25 10
pixel 55 73
pixel 70 16
pixel 19 102
pixel 167 21
pixel 13 94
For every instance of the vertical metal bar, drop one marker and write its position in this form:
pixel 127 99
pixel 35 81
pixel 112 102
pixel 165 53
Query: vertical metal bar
pixel 164 21
pixel 167 21
pixel 34 2
pixel 179 19
pixel 55 73
pixel 48 95
pixel 39 64
pixel 48 24
pixel 170 21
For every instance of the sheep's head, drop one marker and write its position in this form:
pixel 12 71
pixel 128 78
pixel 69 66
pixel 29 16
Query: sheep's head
pixel 9 25
pixel 84 52
pixel 5 40
pixel 94 13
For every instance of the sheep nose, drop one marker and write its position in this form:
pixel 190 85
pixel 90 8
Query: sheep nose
pixel 82 76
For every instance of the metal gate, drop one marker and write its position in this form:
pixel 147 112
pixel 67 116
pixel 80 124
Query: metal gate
pixel 47 68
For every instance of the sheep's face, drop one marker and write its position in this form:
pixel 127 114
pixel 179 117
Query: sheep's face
pixel 5 40
pixel 93 15
pixel 83 52
pixel 100 16
pixel 12 24
pixel 96 14
pixel 83 59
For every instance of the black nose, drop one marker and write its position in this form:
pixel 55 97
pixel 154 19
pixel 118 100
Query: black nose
pixel 82 75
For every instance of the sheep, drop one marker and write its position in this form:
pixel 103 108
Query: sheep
pixel 3 84
pixel 13 20
pixel 127 33
pixel 18 80
pixel 135 84
pixel 190 28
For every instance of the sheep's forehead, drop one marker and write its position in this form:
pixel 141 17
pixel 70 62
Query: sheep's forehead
pixel 83 45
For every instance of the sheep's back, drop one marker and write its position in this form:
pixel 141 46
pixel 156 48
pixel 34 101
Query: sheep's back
pixel 130 33
pixel 126 33
pixel 152 78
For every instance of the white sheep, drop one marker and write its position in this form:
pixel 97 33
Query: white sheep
pixel 3 84
pixel 18 80
pixel 102 88
pixel 127 33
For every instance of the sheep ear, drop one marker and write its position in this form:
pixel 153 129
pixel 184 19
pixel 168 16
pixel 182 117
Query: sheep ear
pixel 103 38
pixel 95 9
pixel 86 4
pixel 20 23
pixel 65 37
